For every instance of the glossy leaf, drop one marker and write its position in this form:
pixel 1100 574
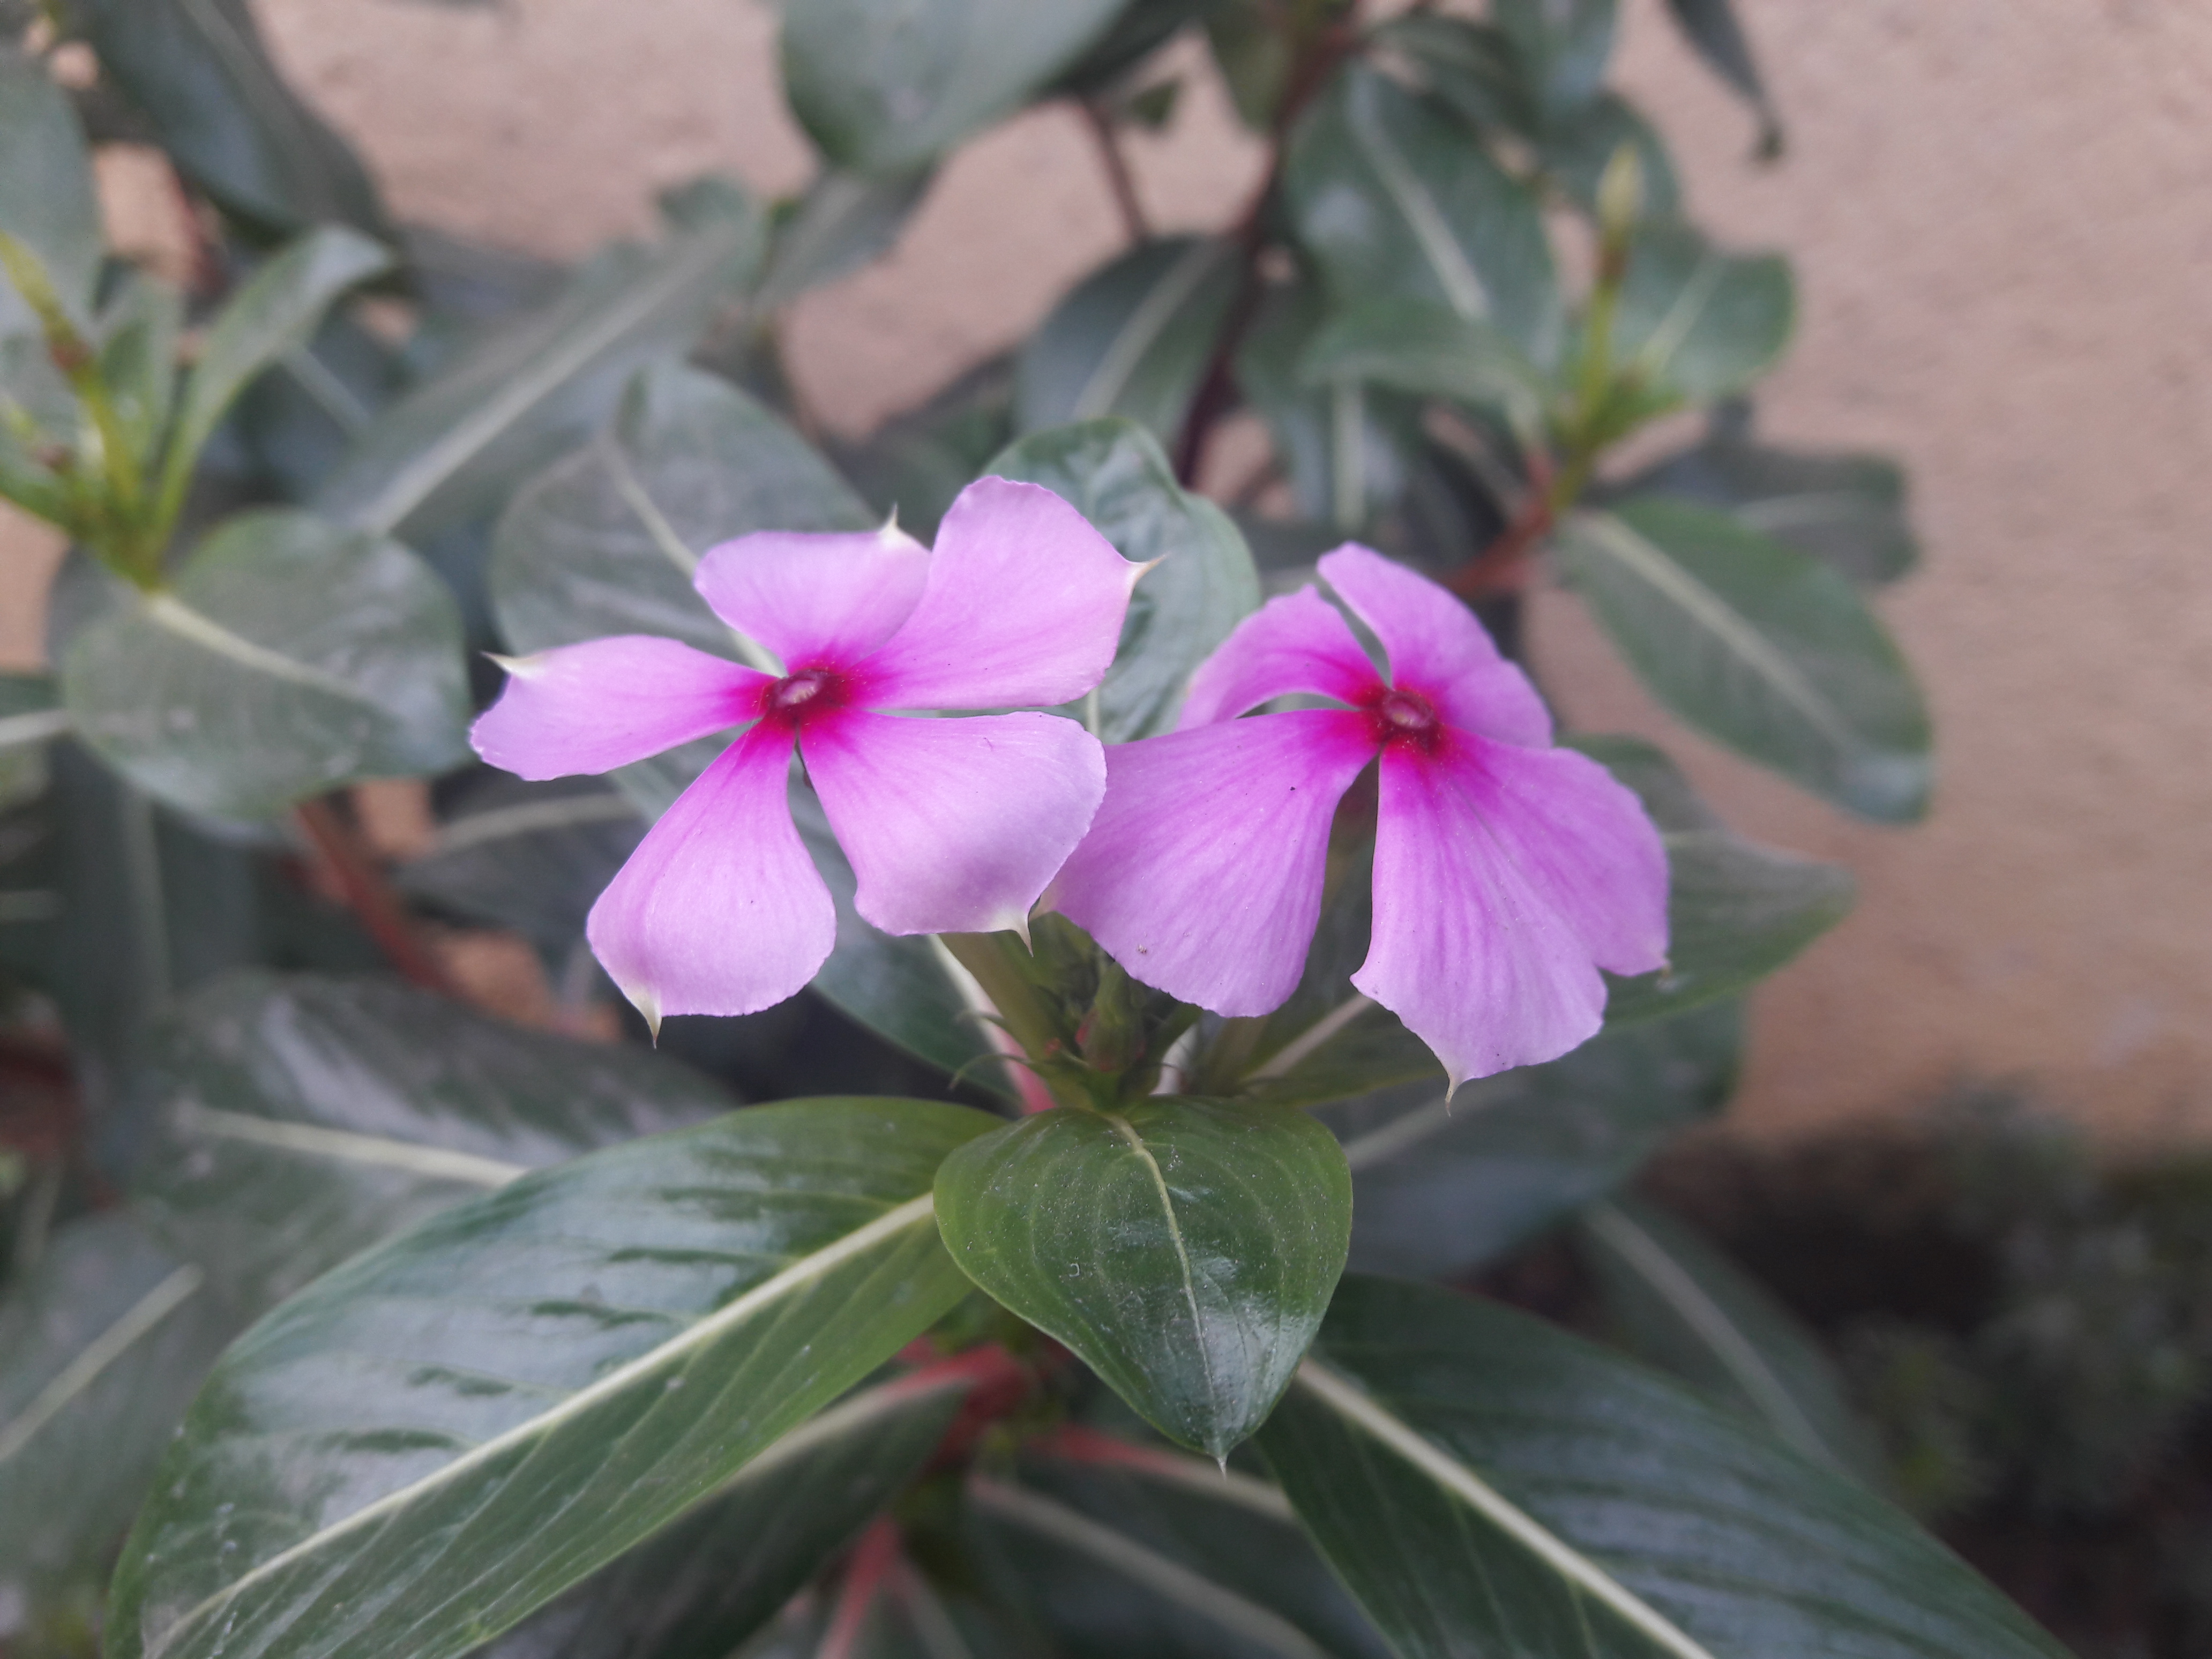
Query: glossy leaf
pixel 884 85
pixel 1203 584
pixel 1758 647
pixel 101 1344
pixel 1185 1250
pixel 369 1469
pixel 1847 510
pixel 701 1586
pixel 844 221
pixel 1736 911
pixel 198 71
pixel 289 657
pixel 47 203
pixel 453 446
pixel 1162 1555
pixel 1680 1304
pixel 1133 338
pixel 1394 199
pixel 1485 1482
pixel 1429 350
pixel 1440 1189
pixel 1561 47
pixel 276 312
pixel 1696 323
pixel 292 1120
pixel 1711 27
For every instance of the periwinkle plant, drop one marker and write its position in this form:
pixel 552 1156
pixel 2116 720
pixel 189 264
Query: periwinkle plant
pixel 1127 951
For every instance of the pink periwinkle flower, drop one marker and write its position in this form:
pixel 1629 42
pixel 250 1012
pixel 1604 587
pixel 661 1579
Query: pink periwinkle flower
pixel 952 825
pixel 1507 872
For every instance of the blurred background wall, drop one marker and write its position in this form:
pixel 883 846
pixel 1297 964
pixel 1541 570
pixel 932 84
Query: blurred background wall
pixel 2000 214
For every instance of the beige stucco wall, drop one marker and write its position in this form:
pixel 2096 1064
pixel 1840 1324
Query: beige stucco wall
pixel 2001 216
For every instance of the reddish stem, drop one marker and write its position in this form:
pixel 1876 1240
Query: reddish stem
pixel 874 1557
pixel 360 881
pixel 1118 177
pixel 1503 566
pixel 1074 1443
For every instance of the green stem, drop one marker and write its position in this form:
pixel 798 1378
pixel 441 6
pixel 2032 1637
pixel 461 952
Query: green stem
pixel 989 957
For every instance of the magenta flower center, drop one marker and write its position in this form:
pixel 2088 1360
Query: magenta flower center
pixel 1404 718
pixel 809 691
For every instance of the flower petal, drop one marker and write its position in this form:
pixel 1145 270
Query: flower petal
pixel 1024 608
pixel 1467 951
pixel 720 910
pixel 593 707
pixel 1202 874
pixel 1299 642
pixel 816 600
pixel 953 826
pixel 1437 648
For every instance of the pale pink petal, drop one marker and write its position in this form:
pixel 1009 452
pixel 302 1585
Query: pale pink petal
pixel 1023 608
pixel 1582 841
pixel 1299 642
pixel 593 707
pixel 953 826
pixel 720 910
pixel 1438 648
pixel 815 600
pixel 1202 874
pixel 1466 951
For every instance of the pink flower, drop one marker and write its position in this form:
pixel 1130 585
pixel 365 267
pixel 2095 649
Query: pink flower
pixel 1507 873
pixel 952 825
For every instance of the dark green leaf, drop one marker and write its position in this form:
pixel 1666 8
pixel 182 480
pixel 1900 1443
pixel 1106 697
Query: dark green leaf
pixel 1394 199
pixel 289 657
pixel 885 86
pixel 1486 1483
pixel 101 1344
pixel 1696 323
pixel 1759 646
pixel 916 462
pixel 1711 27
pixel 1847 510
pixel 291 1121
pixel 1560 48
pixel 699 1588
pixel 1681 1304
pixel 1428 349
pixel 1141 28
pixel 1204 585
pixel 199 72
pixel 1471 67
pixel 1185 1249
pixel 1440 1189
pixel 1735 910
pixel 1131 338
pixel 449 1431
pixel 1574 154
pixel 31 716
pixel 453 447
pixel 138 331
pixel 274 313
pixel 1252 51
pixel 46 199
pixel 843 221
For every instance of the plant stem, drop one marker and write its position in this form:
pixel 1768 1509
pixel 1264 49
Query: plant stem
pixel 1118 178
pixel 360 880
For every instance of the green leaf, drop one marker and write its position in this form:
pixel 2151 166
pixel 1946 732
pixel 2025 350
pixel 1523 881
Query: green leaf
pixel 138 331
pixel 1561 47
pixel 1131 338
pixel 1485 1482
pixel 1845 509
pixel 1758 647
pixel 290 1120
pixel 31 716
pixel 916 462
pixel 1696 323
pixel 102 1343
pixel 276 312
pixel 1680 1304
pixel 288 658
pixel 1185 1250
pixel 1428 349
pixel 447 1433
pixel 453 446
pixel 47 202
pixel 1711 27
pixel 1471 67
pixel 1395 199
pixel 844 221
pixel 1204 584
pixel 885 86
pixel 1735 911
pixel 1440 1189
pixel 199 73
pixel 1574 153
pixel 699 1588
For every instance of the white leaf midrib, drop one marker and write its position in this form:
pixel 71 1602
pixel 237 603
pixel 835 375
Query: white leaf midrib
pixel 914 1212
pixel 1142 330
pixel 1127 1131
pixel 167 610
pixel 96 1356
pixel 346 1145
